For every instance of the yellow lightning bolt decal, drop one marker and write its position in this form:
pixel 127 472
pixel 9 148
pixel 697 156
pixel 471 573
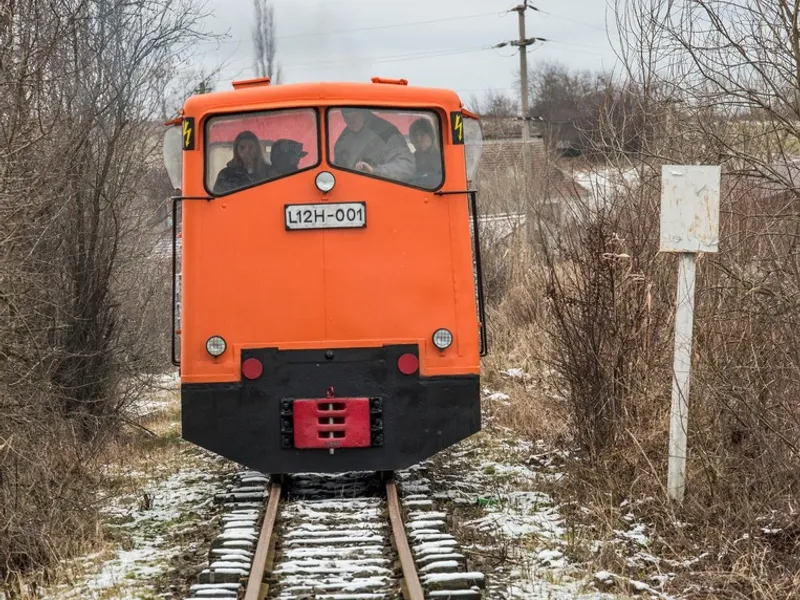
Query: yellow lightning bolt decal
pixel 459 126
pixel 187 133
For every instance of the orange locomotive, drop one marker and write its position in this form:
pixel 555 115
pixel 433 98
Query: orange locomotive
pixel 329 313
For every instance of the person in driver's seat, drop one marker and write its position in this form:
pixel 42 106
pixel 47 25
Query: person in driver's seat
pixel 371 144
pixel 285 157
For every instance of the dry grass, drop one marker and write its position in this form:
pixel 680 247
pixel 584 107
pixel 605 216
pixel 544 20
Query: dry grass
pixel 589 317
pixel 81 299
pixel 135 459
pixel 515 310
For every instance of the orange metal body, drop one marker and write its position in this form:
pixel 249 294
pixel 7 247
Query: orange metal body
pixel 248 279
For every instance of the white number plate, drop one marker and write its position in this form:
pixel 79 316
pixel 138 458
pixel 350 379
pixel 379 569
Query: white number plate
pixel 342 215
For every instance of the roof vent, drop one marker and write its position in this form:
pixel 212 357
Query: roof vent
pixel 246 83
pixel 390 81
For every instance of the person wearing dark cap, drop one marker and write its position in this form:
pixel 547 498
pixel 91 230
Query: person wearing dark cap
pixel 427 157
pixel 245 168
pixel 285 157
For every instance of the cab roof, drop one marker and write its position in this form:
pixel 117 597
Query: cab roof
pixel 257 92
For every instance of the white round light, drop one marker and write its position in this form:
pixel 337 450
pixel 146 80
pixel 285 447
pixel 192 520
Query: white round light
pixel 325 181
pixel 215 345
pixel 442 339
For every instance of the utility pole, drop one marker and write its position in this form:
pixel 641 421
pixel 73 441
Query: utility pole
pixel 523 71
pixel 523 42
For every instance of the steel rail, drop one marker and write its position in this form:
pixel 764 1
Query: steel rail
pixel 259 566
pixel 413 587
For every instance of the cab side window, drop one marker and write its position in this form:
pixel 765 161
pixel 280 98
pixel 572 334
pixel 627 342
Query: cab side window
pixel 398 145
pixel 249 149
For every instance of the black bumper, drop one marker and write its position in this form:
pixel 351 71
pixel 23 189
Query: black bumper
pixel 420 416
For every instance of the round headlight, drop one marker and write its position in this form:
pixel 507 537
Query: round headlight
pixel 215 346
pixel 325 181
pixel 442 339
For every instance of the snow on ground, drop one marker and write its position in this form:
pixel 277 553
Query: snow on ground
pixel 154 514
pixel 510 528
pixel 160 397
pixel 147 528
pixel 491 487
pixel 603 184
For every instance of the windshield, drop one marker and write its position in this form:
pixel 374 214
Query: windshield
pixel 247 149
pixel 399 145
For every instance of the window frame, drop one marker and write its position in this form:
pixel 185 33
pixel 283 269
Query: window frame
pixel 435 111
pixel 210 117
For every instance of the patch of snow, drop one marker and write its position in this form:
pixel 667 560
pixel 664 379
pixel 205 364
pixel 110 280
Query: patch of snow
pixel 180 498
pixel 160 397
pixel 604 184
pixel 635 535
pixel 446 577
pixel 515 373
pixel 503 476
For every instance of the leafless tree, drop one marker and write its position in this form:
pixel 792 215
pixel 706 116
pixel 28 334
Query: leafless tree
pixel 80 86
pixel 577 107
pixel 716 83
pixel 264 42
pixel 495 104
pixel 735 68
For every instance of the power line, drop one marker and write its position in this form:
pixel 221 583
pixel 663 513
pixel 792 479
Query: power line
pixel 382 59
pixel 576 21
pixel 574 45
pixel 521 43
pixel 395 58
pixel 373 28
pixel 412 56
pixel 416 56
pixel 396 25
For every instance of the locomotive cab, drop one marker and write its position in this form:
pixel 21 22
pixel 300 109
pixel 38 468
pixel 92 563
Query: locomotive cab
pixel 328 310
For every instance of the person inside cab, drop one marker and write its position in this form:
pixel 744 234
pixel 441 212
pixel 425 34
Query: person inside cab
pixel 373 145
pixel 427 158
pixel 245 168
pixel 285 157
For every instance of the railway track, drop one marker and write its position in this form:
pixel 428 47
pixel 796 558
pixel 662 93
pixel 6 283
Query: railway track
pixel 343 537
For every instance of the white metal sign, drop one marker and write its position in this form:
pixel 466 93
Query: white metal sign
pixel 689 224
pixel 690 208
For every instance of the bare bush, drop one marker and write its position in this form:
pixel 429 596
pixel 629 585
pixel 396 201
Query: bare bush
pixel 608 304
pixel 577 109
pixel 716 82
pixel 80 82
pixel 495 104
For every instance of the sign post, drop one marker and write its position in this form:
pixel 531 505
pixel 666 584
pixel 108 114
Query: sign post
pixel 689 225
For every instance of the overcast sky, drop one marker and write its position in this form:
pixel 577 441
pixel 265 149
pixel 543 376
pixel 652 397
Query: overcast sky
pixel 316 41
